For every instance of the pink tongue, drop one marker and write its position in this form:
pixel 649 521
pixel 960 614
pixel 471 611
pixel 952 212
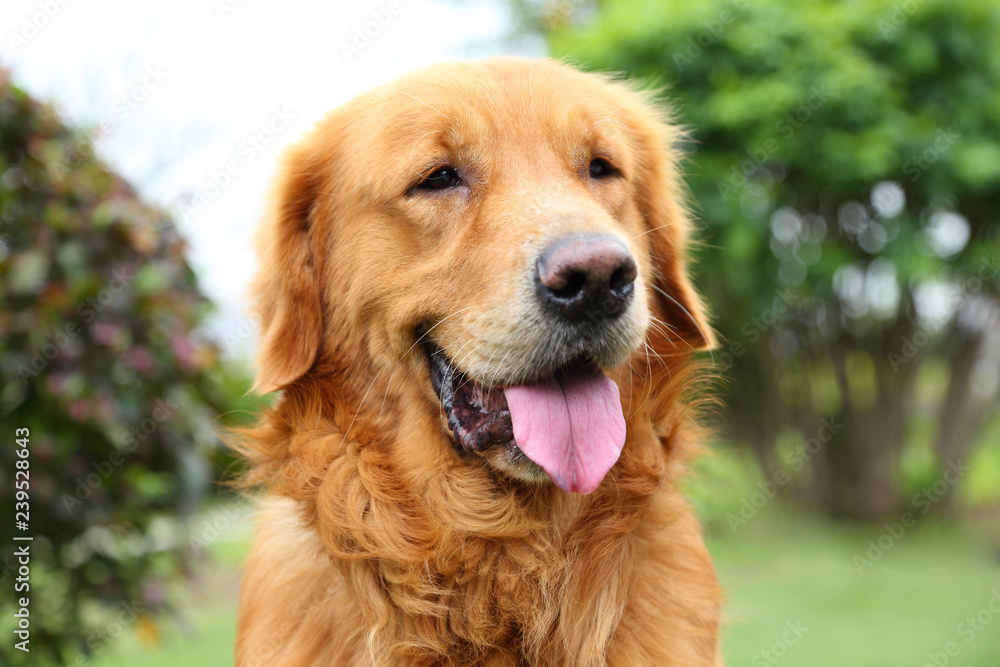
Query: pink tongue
pixel 571 425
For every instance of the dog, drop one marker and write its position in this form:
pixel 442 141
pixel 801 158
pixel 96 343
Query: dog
pixel 474 299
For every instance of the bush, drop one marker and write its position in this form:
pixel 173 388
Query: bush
pixel 103 366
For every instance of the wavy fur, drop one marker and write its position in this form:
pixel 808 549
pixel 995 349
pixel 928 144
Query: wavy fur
pixel 377 544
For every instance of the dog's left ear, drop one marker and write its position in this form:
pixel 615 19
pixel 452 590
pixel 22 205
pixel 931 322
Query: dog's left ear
pixel 662 198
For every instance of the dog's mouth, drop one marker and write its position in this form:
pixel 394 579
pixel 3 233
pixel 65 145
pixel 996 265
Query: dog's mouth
pixel 568 422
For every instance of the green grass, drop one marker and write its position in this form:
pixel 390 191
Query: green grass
pixel 205 638
pixel 784 566
pixel 789 566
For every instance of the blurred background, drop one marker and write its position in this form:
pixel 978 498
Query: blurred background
pixel 844 164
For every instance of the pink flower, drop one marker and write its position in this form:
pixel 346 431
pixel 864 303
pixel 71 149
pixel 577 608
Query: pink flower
pixel 141 359
pixel 104 333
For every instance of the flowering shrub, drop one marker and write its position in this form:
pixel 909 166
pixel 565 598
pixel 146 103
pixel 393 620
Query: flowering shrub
pixel 102 362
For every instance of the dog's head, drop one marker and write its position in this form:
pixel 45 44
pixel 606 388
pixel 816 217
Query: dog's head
pixel 508 234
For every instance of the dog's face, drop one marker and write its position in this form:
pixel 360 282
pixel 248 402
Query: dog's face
pixel 505 233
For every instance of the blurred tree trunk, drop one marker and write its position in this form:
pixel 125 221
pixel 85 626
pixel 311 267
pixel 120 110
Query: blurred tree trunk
pixel 758 395
pixel 855 473
pixel 961 414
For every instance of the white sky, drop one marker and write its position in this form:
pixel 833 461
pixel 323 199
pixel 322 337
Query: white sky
pixel 202 80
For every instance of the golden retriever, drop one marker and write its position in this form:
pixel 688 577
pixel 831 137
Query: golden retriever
pixel 475 302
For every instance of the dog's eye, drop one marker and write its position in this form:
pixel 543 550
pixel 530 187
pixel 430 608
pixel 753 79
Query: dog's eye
pixel 439 179
pixel 601 168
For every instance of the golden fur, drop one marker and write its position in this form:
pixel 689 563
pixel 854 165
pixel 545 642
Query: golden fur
pixel 378 544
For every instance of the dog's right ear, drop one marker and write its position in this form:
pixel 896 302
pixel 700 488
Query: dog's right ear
pixel 286 288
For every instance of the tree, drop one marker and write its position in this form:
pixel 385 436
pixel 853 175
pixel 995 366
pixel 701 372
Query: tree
pixel 117 393
pixel 845 162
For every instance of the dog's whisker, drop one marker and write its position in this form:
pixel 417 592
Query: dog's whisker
pixel 388 384
pixel 659 358
pixel 360 405
pixel 468 354
pixel 663 323
pixel 690 317
pixel 424 335
pixel 631 388
pixel 665 330
pixel 650 231
pixel 611 474
pixel 490 360
pixel 403 356
pixel 429 106
pixel 499 367
pixel 668 332
pixel 651 351
pixel 609 119
pixel 485 247
pixel 413 150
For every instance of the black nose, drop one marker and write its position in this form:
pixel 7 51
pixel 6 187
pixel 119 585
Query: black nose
pixel 586 278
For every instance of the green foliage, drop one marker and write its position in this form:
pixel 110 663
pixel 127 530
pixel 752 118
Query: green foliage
pixel 102 360
pixel 845 159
